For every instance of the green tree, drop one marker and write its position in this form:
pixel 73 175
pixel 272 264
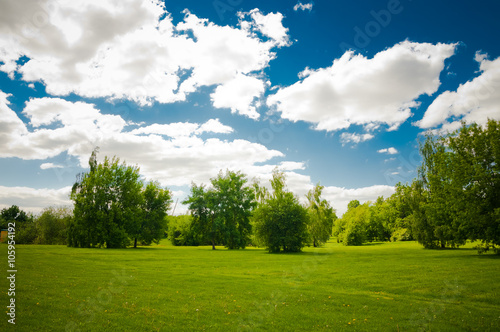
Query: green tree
pixel 321 216
pixel 355 223
pixel 52 225
pixel 202 206
pixel 154 206
pixel 223 212
pixel 234 204
pixel 475 182
pixel 457 194
pixel 281 221
pixel 25 226
pixel 181 232
pixel 108 203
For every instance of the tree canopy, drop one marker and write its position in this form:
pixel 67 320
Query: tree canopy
pixel 222 212
pixel 112 207
pixel 280 220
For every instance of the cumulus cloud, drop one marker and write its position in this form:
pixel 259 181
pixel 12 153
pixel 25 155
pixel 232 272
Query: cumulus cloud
pixel 346 138
pixel 131 49
pixel 240 94
pixel 34 200
pixel 390 150
pixel 357 90
pixel 174 154
pixel 183 129
pixel 474 101
pixel 50 165
pixel 303 7
pixel 270 25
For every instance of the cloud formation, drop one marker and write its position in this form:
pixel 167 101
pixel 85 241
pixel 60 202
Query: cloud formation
pixel 474 101
pixel 357 90
pixel 303 7
pixel 390 150
pixel 79 47
pixel 174 154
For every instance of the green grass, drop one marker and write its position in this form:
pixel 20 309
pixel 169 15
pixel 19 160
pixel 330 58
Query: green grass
pixel 379 287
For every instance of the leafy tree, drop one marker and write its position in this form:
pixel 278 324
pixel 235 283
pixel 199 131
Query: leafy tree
pixel 52 226
pixel 201 204
pixel 355 221
pixel 181 232
pixel 223 212
pixel 280 221
pixel 321 216
pixel 234 204
pixel 108 203
pixel 457 194
pixel 25 227
pixel 475 182
pixel 154 206
pixel 353 204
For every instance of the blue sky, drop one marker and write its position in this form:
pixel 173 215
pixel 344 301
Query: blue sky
pixel 336 92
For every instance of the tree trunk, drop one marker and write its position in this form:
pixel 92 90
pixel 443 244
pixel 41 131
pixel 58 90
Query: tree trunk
pixel 135 243
pixel 213 244
pixel 314 243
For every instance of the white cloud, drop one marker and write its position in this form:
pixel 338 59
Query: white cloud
pixel 271 26
pixel 303 7
pixel 361 91
pixel 183 129
pixel 346 138
pixel 239 94
pixel 173 154
pixel 214 126
pixel 474 101
pixel 50 165
pixel 131 49
pixel 390 150
pixel 34 200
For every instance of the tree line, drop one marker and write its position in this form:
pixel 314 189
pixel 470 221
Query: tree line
pixel 455 198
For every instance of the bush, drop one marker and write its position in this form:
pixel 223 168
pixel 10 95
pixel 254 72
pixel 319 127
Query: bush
pixel 52 226
pixel 180 231
pixel 402 234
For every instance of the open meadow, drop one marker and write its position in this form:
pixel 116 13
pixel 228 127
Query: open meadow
pixel 379 287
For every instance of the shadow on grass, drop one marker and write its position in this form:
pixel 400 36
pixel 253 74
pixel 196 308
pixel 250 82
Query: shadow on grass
pixel 372 244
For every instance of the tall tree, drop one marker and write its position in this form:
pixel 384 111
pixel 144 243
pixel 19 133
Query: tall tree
pixel 107 204
pixel 152 223
pixel 201 204
pixel 234 202
pixel 281 221
pixel 459 188
pixel 321 216
pixel 223 211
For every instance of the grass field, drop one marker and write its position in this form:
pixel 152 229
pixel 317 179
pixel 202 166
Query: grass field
pixel 378 287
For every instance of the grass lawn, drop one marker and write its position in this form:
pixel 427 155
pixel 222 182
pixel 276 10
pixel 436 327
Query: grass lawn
pixel 379 287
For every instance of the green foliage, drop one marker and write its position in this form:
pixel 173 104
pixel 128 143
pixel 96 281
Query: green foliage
pixel 112 207
pixel 24 225
pixel 52 226
pixel 355 224
pixel 222 213
pixel 234 202
pixel 401 234
pixel 181 231
pixel 152 223
pixel 321 217
pixel 458 190
pixel 280 220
